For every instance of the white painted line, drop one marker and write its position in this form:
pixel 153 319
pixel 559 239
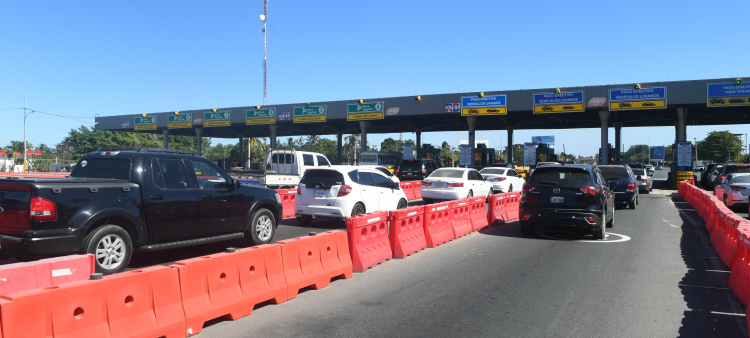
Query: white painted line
pixel 727 313
pixel 704 287
pixel 670 224
pixel 724 271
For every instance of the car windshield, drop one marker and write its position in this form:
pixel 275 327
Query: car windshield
pixel 324 178
pixel 614 173
pixel 561 176
pixel 742 179
pixel 493 171
pixel 117 168
pixel 449 173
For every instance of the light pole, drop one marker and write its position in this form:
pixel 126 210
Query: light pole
pixel 696 150
pixel 263 17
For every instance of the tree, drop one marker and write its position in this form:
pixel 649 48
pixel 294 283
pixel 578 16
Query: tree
pixel 87 139
pixel 637 153
pixel 720 147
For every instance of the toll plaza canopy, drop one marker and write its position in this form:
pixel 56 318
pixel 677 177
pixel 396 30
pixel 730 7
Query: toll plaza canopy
pixel 698 102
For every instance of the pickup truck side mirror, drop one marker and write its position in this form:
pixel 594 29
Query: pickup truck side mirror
pixel 235 184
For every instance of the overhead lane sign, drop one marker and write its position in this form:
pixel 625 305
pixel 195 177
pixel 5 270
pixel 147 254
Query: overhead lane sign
pixel 180 121
pixel 487 105
pixel 728 94
pixel 565 102
pixel 145 123
pixel 310 114
pixel 260 116
pixel 365 111
pixel 637 99
pixel 217 119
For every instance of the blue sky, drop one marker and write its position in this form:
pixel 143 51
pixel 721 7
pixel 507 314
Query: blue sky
pixel 88 58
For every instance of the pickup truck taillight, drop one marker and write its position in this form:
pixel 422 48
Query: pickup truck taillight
pixel 42 210
pixel 344 190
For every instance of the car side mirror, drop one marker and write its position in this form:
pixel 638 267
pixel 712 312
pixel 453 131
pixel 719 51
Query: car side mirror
pixel 395 185
pixel 236 185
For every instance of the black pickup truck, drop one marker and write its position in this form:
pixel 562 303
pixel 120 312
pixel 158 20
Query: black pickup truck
pixel 122 199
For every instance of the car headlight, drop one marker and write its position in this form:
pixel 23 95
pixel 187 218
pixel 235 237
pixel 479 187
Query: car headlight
pixel 278 197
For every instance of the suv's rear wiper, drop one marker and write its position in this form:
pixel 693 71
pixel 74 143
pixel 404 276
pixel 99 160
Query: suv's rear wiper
pixel 548 183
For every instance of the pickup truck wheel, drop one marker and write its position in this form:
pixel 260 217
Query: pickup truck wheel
pixel 262 228
pixel 111 246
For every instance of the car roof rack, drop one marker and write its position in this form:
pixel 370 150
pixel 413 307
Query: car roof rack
pixel 149 150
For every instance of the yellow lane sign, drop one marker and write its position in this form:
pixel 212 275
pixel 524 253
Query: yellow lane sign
pixel 729 101
pixel 216 123
pixel 484 111
pixel 638 105
pixel 261 120
pixel 365 116
pixel 175 125
pixel 559 108
pixel 145 127
pixel 310 118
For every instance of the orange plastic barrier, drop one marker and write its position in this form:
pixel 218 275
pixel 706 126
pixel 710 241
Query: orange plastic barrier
pixel 460 220
pixel 437 224
pixel 334 254
pixel 138 303
pixel 408 190
pixel 739 279
pixel 230 284
pixel 496 213
pixel 46 272
pixel 417 187
pixel 287 201
pixel 406 233
pixel 368 240
pixel 477 213
pixel 512 205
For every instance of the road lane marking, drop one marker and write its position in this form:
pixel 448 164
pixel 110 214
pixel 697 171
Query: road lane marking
pixel 623 238
pixel 670 224
pixel 704 287
pixel 727 313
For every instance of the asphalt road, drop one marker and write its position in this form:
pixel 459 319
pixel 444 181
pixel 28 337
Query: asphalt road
pixel 656 275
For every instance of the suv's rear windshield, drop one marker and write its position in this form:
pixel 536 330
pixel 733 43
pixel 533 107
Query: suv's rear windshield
pixel 737 169
pixel 638 172
pixel 117 168
pixel 562 176
pixel 636 165
pixel 450 173
pixel 615 173
pixel 326 178
pixel 411 165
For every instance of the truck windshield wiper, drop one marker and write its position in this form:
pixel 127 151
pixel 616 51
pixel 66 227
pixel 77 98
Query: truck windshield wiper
pixel 548 183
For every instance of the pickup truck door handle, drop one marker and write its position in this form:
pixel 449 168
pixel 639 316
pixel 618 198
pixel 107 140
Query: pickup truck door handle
pixel 207 197
pixel 156 197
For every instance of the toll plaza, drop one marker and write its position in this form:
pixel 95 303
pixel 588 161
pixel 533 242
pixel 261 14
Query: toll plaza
pixel 675 103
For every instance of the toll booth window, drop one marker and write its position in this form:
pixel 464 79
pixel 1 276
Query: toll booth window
pixel 322 162
pixel 308 160
pixel 209 176
pixel 368 159
pixel 174 174
pixel 116 168
pixel 387 160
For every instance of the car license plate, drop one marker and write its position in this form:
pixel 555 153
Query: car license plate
pixel 557 199
pixel 409 174
pixel 318 192
pixel 440 185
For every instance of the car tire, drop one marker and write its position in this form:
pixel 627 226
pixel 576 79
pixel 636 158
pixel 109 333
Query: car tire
pixel 402 204
pixel 611 223
pixel 105 243
pixel 599 233
pixel 358 209
pixel 262 228
pixel 632 204
pixel 304 219
pixel 527 229
pixel 470 195
pixel 647 191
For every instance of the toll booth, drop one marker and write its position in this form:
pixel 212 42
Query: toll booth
pixel 612 154
pixel 545 153
pixel 484 156
pixel 429 152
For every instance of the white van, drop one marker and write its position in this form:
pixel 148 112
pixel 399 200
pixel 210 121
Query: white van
pixel 285 167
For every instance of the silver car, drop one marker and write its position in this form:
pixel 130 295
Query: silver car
pixel 734 189
pixel 645 182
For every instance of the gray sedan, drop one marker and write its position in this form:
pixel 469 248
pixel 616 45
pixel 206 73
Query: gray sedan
pixel 645 180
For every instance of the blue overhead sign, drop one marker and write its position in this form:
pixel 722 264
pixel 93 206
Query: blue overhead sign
pixel 543 139
pixel 562 98
pixel 728 94
pixel 644 94
pixel 483 102
pixel 657 153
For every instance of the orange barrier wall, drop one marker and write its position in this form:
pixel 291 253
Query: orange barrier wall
pixel 288 197
pixel 46 272
pixel 496 212
pixel 310 261
pixel 437 224
pixel 138 303
pixel 408 189
pixel 406 232
pixel 477 213
pixel 417 187
pixel 460 220
pixel 368 240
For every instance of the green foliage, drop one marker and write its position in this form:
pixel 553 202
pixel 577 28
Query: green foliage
pixel 638 153
pixel 85 140
pixel 720 147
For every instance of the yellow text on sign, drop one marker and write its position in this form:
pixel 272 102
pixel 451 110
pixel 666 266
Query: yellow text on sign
pixel 176 125
pixel 559 108
pixel 218 123
pixel 365 116
pixel 261 120
pixel 313 118
pixel 484 111
pixel 145 127
pixel 729 101
pixel 638 105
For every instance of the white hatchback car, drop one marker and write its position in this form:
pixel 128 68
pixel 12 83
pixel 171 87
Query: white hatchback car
pixel 343 191
pixel 502 179
pixel 454 184
pixel 734 190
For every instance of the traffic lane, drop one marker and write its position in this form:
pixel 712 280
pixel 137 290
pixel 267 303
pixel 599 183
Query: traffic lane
pixel 496 282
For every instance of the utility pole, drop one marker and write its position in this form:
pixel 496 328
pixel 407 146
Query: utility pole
pixel 24 135
pixel 263 17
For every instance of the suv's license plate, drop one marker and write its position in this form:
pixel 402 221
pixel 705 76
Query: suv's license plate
pixel 318 192
pixel 557 199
